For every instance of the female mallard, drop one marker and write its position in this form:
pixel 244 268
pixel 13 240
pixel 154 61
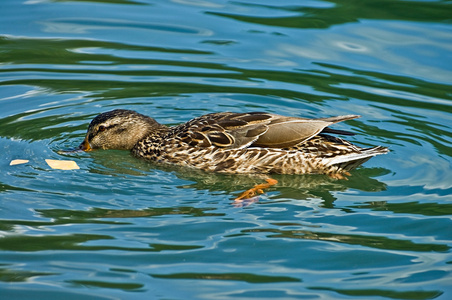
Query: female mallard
pixel 227 142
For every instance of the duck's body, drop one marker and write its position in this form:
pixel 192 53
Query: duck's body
pixel 228 142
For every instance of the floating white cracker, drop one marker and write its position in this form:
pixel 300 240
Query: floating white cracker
pixel 62 164
pixel 18 162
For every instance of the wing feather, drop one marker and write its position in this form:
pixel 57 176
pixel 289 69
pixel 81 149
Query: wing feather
pixel 257 129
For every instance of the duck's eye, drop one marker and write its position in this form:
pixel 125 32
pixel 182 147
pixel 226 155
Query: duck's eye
pixel 102 128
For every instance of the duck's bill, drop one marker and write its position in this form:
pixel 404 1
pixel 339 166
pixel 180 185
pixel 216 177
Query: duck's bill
pixel 85 146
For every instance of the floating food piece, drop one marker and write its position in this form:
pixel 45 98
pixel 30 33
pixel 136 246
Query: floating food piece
pixel 18 162
pixel 62 164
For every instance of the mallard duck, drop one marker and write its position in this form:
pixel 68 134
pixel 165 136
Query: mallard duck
pixel 227 142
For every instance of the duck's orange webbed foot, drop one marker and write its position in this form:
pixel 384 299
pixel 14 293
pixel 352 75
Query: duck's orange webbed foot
pixel 257 189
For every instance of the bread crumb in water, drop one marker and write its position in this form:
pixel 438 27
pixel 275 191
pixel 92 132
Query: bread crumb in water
pixel 62 164
pixel 18 162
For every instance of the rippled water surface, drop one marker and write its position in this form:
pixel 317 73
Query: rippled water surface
pixel 122 228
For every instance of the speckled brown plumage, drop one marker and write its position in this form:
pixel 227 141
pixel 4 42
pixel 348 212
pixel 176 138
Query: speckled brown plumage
pixel 228 142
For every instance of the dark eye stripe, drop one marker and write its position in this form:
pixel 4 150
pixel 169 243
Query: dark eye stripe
pixel 103 128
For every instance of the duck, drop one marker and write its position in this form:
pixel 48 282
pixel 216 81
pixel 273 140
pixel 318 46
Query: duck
pixel 234 143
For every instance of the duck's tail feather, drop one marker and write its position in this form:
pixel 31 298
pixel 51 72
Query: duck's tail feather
pixel 336 131
pixel 350 161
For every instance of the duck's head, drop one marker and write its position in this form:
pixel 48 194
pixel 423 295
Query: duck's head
pixel 118 129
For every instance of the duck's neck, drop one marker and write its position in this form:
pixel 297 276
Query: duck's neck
pixel 143 128
pixel 152 127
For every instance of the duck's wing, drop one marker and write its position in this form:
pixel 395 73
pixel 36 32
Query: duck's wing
pixel 224 130
pixel 256 129
pixel 284 132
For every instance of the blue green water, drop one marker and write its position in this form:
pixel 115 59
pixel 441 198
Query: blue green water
pixel 122 228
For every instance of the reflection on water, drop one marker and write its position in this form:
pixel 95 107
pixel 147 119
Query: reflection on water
pixel 368 241
pixel 289 186
pixel 85 25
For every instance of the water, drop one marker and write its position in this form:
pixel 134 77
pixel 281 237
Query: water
pixel 121 228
